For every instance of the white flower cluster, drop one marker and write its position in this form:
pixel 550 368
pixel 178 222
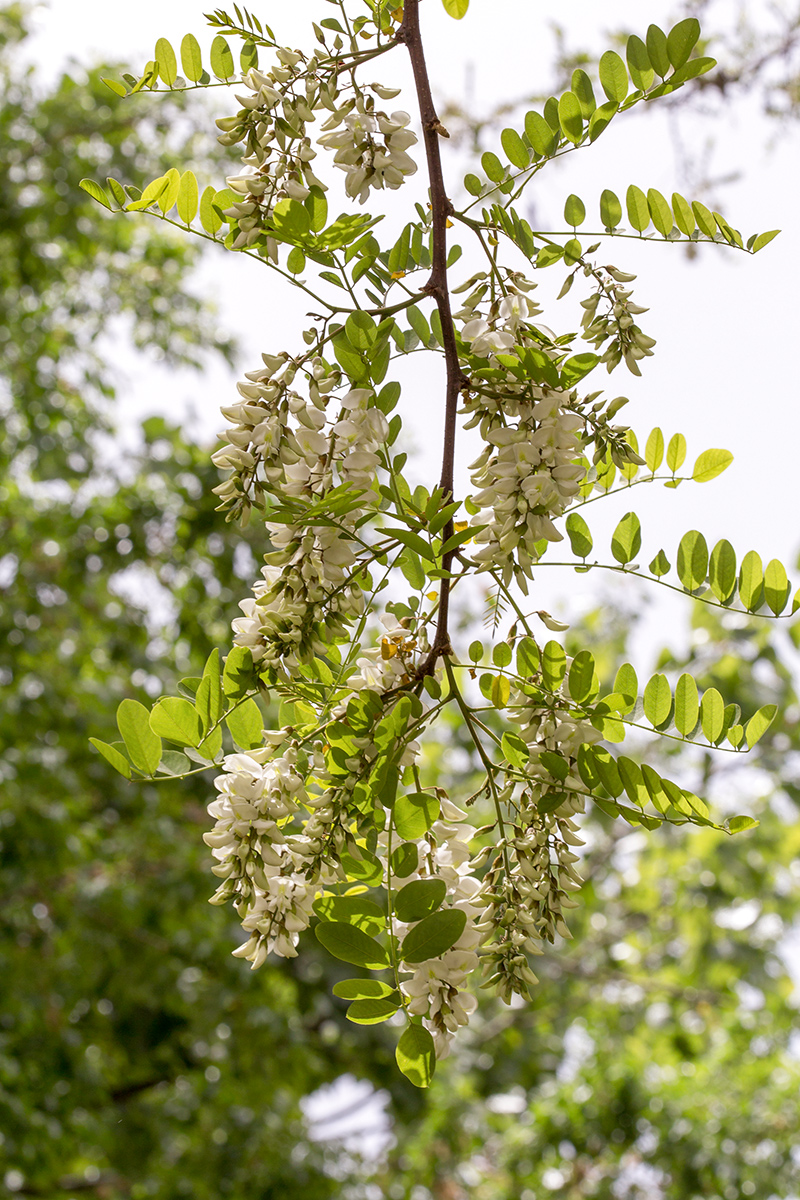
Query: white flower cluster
pixel 271 873
pixel 435 988
pixel 527 474
pixel 297 451
pixel 393 662
pixel 617 323
pixel 530 887
pixel 370 147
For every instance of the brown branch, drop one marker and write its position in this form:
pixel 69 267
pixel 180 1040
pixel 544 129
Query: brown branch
pixel 432 130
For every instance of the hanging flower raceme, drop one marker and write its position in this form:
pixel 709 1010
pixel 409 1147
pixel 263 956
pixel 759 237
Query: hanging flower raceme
pixel 370 147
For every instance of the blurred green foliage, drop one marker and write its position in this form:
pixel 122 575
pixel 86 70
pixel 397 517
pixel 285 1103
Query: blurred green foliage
pixel 137 1058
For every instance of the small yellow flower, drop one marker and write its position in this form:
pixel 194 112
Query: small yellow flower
pixel 398 274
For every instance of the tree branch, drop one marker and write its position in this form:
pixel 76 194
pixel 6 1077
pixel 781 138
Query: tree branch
pixel 432 130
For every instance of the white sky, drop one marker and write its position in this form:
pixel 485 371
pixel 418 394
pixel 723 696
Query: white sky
pixel 724 370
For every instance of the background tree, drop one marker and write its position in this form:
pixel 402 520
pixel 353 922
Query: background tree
pixel 104 902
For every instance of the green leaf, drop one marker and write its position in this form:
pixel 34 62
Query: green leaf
pixel 248 56
pixel 554 665
pixel 722 571
pixel 419 898
pixel 764 239
pixel 367 869
pixel 143 746
pixel 660 565
pixel 222 59
pixel 638 211
pixel 660 211
pixel 657 50
pixel 759 723
pixel 187 197
pixel 455 9
pixel 613 76
pixel 116 87
pixel 712 715
pixel 433 936
pixel 692 564
pixel 414 813
pixel 607 769
pixel 117 191
pixel 684 217
pixel 632 781
pixel 118 761
pixel 610 209
pixel 316 206
pixel 639 66
pixel 569 117
pixel 515 750
pixel 296 261
pixel 654 450
pixel 710 464
pixel 657 701
pixel 352 945
pixel 362 989
pixel 169 193
pixel 527 657
pixel 776 587
pixel 626 540
pixel 167 62
pixel 582 87
pixel 246 725
pixel 501 691
pixel 237 677
pixel 174 763
pixel 583 680
pixel 540 135
pixel 371 1012
pixel 739 824
pixel 413 541
pixel 580 539
pixel 97 193
pixel 492 166
pixel 705 220
pixel 601 117
pixel 419 324
pixel 209 217
pixel 676 452
pixel 415 1053
pixel 191 58
pixel 574 211
pixel 178 721
pixel 687 705
pixel 626 684
pixel 751 581
pixel 681 40
pixel 404 861
pixel 351 910
pixel 515 149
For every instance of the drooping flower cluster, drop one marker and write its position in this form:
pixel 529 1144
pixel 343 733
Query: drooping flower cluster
pixel 530 884
pixel 298 452
pixel 263 865
pixel 370 147
pixel 435 988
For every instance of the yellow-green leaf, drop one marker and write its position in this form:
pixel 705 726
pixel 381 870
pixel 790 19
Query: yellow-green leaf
pixel 187 197
pixel 97 193
pixel 191 58
pixel 456 9
pixel 169 194
pixel 209 217
pixel 167 62
pixel 638 211
pixel 710 464
pixel 776 586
